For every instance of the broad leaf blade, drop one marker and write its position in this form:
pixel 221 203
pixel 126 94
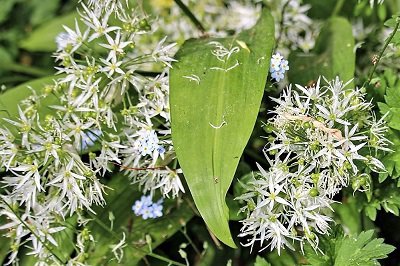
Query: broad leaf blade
pixel 43 39
pixel 10 99
pixel 332 56
pixel 213 117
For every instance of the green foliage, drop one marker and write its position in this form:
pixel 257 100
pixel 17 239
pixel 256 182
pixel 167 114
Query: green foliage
pixel 386 197
pixel 349 214
pixel 361 250
pixel 6 6
pixel 119 201
pixel 340 250
pixel 286 258
pixel 43 10
pixel 332 56
pixel 43 38
pixel 261 262
pixel 10 99
pixel 392 160
pixel 212 121
pixel 64 239
pixel 4 243
pixel 392 108
pixel 392 105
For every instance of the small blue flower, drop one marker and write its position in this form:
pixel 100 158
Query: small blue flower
pixel 147 209
pixel 278 67
pixel 157 209
pixel 161 150
pixel 285 65
pixel 278 76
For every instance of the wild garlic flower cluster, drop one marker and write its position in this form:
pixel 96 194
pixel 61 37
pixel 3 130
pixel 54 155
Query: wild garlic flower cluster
pixel 108 79
pixel 322 136
pixel 219 18
pixel 293 27
pixel 105 111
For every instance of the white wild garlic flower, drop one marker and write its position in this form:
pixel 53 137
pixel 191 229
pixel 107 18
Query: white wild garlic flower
pixel 107 110
pixel 322 135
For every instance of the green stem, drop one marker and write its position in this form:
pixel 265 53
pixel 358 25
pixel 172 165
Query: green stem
pixel 190 15
pixel 28 227
pixel 105 227
pixel 183 231
pixel 396 27
pixel 338 7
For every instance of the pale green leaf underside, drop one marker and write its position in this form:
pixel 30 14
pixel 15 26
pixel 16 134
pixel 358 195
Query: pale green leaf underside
pixel 213 117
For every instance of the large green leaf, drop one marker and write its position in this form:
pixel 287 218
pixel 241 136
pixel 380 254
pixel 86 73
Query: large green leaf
pixel 332 56
pixel 10 99
pixel 43 39
pixel 214 106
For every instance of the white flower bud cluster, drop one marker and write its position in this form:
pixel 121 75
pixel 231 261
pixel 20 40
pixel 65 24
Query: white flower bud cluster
pixel 322 138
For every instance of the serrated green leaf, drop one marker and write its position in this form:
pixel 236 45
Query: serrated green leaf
pixel 332 56
pixel 392 105
pixel 212 118
pixel 392 97
pixel 340 250
pixel 391 160
pixel 327 244
pixel 362 250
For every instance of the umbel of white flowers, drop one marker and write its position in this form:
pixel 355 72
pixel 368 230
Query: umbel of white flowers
pixel 46 178
pixel 321 138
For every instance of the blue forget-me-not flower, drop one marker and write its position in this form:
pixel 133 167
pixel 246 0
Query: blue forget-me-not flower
pixel 278 67
pixel 146 208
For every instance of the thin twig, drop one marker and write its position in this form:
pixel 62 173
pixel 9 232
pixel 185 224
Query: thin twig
pixel 396 27
pixel 196 249
pixel 214 239
pixel 190 15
